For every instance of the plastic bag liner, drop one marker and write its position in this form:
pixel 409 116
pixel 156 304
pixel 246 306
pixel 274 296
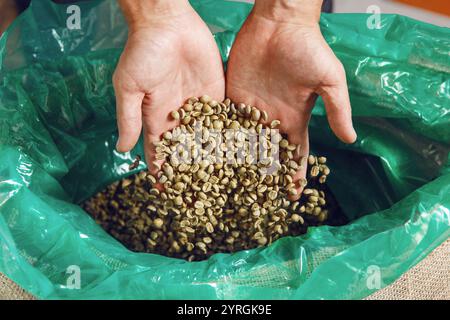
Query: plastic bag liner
pixel 58 132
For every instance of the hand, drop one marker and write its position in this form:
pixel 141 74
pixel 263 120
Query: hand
pixel 169 56
pixel 281 65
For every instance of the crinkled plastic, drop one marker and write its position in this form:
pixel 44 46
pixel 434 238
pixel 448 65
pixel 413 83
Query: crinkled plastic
pixel 57 137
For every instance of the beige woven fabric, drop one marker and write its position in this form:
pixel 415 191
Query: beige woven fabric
pixel 11 291
pixel 428 280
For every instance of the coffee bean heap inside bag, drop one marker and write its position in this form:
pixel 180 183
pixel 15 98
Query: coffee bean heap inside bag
pixel 224 186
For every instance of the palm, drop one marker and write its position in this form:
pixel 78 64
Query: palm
pixel 161 67
pixel 281 70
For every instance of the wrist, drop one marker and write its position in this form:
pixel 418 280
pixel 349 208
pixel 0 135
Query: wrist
pixel 303 12
pixel 141 13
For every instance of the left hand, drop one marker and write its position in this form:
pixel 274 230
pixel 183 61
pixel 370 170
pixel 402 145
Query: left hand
pixel 167 59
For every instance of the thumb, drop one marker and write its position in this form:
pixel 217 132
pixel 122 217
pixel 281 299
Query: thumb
pixel 339 113
pixel 129 118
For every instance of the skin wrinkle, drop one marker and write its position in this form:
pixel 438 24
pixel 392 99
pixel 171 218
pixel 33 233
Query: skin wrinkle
pixel 284 22
pixel 141 13
pixel 306 12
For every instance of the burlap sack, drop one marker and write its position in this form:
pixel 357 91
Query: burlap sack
pixel 11 291
pixel 428 280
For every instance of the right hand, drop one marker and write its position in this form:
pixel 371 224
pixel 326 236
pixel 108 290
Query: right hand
pixel 280 63
pixel 166 60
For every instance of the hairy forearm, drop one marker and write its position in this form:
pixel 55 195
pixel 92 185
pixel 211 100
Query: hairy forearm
pixel 141 12
pixel 294 11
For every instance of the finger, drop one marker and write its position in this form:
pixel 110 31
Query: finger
pixel 299 137
pixel 295 125
pixel 129 118
pixel 154 165
pixel 156 121
pixel 337 104
pixel 150 149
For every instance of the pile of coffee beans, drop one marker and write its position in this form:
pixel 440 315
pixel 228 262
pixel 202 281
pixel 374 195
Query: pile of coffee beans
pixel 224 183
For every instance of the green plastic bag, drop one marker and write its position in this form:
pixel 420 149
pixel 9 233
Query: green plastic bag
pixel 57 138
